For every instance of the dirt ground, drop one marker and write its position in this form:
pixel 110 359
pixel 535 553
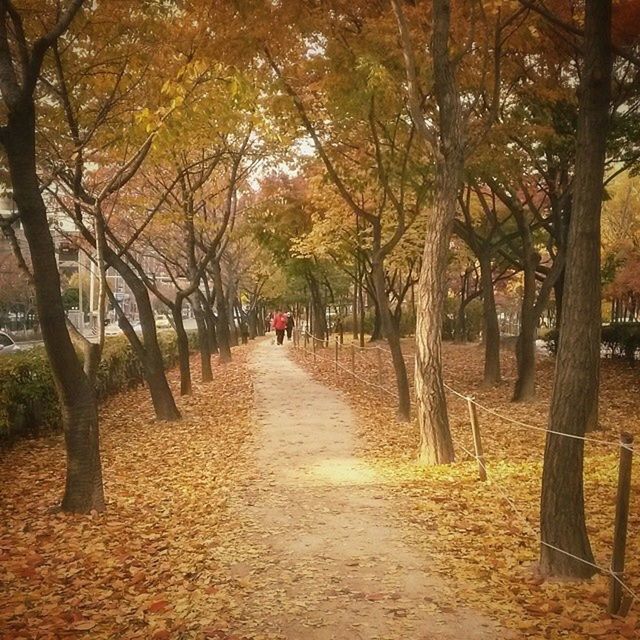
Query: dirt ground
pixel 339 565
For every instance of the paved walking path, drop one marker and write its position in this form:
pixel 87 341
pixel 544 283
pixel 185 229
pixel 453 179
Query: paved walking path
pixel 336 565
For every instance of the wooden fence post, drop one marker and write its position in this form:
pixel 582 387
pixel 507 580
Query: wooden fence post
pixel 313 347
pixel 617 603
pixel 337 346
pixel 353 362
pixel 306 341
pixel 379 358
pixel 477 441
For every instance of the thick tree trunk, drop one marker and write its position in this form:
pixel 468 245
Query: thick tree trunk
pixel 92 353
pixel 83 490
pixel 491 328
pixel 436 445
pixel 182 340
pixel 575 387
pixel 222 325
pixel 393 340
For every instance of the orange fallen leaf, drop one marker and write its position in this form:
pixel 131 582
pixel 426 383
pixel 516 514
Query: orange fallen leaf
pixel 157 606
pixel 84 625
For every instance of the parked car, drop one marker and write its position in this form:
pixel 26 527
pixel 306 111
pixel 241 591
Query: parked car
pixel 112 329
pixel 8 344
pixel 162 322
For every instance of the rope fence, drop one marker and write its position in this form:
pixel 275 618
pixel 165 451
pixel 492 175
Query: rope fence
pixel 621 596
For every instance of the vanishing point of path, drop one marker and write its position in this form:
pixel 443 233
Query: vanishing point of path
pixel 336 566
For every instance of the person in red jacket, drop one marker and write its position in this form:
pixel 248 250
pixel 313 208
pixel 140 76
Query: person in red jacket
pixel 280 325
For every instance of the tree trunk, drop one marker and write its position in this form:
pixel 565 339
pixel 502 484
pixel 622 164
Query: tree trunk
pixel 558 291
pixel 354 309
pixel 436 446
pixel 491 328
pixel 153 364
pixel 83 489
pixel 460 327
pixel 526 358
pixel 150 356
pixel 397 318
pixel 319 318
pixel 361 310
pixel 222 326
pixel 575 386
pixel 211 322
pixel 203 340
pixel 182 340
pixel 393 340
pixel 526 343
pixel 376 330
pixel 233 328
pixel 252 322
pixel 460 323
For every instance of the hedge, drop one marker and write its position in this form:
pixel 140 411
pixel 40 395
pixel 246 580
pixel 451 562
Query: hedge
pixel 28 399
pixel 619 340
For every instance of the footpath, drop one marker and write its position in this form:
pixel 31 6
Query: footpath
pixel 333 563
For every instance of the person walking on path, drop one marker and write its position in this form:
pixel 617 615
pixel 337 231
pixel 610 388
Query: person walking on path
pixel 280 325
pixel 290 324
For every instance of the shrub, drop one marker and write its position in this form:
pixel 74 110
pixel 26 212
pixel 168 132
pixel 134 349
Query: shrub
pixel 28 399
pixel 617 339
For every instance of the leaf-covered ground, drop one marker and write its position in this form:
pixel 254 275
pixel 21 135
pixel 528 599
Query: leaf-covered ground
pixel 252 518
pixel 160 562
pixel 486 533
pixel 208 535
